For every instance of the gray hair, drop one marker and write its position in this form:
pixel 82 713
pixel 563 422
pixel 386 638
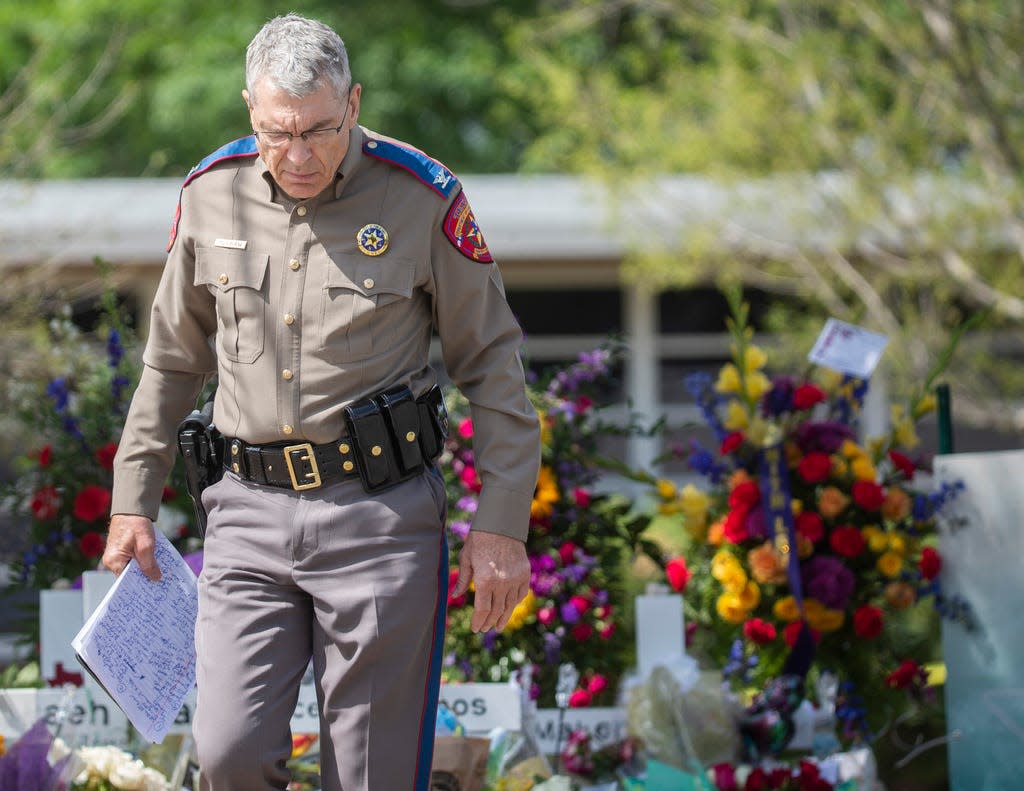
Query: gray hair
pixel 298 55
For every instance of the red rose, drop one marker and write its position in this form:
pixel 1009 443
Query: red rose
pixel 45 503
pixel 92 503
pixel 745 495
pixel 91 544
pixel 581 603
pixel 725 777
pixel 868 495
pixel 868 622
pixel 903 464
pixel 607 631
pixel 847 541
pixel 810 525
pixel 105 455
pixel 792 631
pixel 567 552
pixel 779 777
pixel 583 403
pixel 930 563
pixel 731 442
pixel 169 493
pixel 734 528
pixel 581 497
pixel 806 396
pixel 45 456
pixel 909 673
pixel 470 479
pixel 757 780
pixel 582 632
pixel 815 467
pixel 759 632
pixel 580 699
pixel 677 573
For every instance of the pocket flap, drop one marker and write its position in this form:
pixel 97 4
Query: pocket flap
pixel 369 277
pixel 228 269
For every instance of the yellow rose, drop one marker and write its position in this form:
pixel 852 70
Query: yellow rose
pixel 734 579
pixel 736 417
pixel 728 379
pixel 863 469
pixel 750 596
pixel 826 620
pixel 890 564
pixel 723 563
pixel 877 540
pixel 850 449
pixel 785 609
pixel 754 358
pixel 730 609
pixel 897 544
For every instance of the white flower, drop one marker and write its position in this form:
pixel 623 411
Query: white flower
pixel 129 776
pixel 154 781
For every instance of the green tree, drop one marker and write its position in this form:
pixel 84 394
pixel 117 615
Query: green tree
pixel 880 139
pixel 96 88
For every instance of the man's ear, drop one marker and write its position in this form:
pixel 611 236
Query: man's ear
pixel 245 97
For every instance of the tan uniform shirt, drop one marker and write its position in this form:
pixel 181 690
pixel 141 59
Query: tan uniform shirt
pixel 276 297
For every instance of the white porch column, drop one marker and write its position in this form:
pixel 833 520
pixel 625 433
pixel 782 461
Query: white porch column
pixel 643 378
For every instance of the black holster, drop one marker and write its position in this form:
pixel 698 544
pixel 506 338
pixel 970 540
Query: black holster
pixel 201 447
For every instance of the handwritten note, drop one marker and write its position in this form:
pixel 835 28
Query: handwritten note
pixel 848 348
pixel 139 642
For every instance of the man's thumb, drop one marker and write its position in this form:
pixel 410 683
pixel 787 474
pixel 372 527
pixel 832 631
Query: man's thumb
pixel 465 577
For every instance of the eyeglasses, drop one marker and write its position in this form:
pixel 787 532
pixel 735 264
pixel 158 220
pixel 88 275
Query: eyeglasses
pixel 311 137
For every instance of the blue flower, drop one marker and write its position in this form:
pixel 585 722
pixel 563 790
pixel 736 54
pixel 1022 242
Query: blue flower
pixel 58 390
pixel 115 351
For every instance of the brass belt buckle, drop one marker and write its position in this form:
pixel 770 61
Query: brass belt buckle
pixel 309 456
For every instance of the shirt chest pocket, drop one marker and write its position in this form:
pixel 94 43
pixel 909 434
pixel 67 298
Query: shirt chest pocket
pixel 363 304
pixel 236 280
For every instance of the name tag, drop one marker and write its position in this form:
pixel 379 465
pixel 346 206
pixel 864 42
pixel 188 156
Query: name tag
pixel 234 244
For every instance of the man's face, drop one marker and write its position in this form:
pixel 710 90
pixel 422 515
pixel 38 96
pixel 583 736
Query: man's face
pixel 302 168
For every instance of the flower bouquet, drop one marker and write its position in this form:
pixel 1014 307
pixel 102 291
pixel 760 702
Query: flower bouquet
pixel 579 545
pixel 802 524
pixel 70 403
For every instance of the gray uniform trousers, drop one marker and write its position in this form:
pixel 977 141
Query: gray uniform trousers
pixel 359 583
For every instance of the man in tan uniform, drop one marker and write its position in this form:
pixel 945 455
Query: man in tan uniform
pixel 307 267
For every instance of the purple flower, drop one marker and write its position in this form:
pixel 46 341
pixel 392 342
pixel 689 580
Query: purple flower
pixel 828 580
pixel 569 613
pixel 460 529
pixel 468 504
pixel 755 523
pixel 825 436
pixel 779 399
pixel 115 351
pixel 552 648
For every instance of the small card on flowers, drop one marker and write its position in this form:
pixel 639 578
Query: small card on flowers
pixel 139 643
pixel 848 348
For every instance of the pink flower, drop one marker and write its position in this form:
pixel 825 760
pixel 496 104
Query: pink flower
pixel 725 777
pixel 567 552
pixel 607 631
pixel 546 615
pixel 580 699
pixel 581 603
pixel 470 479
pixel 581 497
pixel 597 684
pixel 465 428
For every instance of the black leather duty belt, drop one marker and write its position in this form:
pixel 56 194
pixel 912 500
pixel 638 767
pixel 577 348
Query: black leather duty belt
pixel 391 437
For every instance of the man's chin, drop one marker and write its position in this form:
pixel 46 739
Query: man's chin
pixel 300 189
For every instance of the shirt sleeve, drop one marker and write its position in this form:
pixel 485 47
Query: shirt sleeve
pixel 480 342
pixel 178 359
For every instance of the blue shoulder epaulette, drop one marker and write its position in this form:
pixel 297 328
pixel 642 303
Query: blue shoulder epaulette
pixel 243 147
pixel 428 170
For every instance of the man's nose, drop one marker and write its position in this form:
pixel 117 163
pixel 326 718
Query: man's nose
pixel 298 150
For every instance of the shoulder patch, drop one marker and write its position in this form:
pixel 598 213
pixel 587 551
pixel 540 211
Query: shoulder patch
pixel 426 169
pixel 243 147
pixel 462 231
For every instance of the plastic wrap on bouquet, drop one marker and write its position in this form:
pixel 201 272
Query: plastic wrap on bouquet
pixel 516 759
pixel 683 717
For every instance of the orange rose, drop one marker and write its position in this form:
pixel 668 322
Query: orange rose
pixel 832 502
pixel 767 566
pixel 896 505
pixel 899 595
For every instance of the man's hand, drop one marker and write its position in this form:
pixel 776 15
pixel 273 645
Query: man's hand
pixel 131 536
pixel 500 571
